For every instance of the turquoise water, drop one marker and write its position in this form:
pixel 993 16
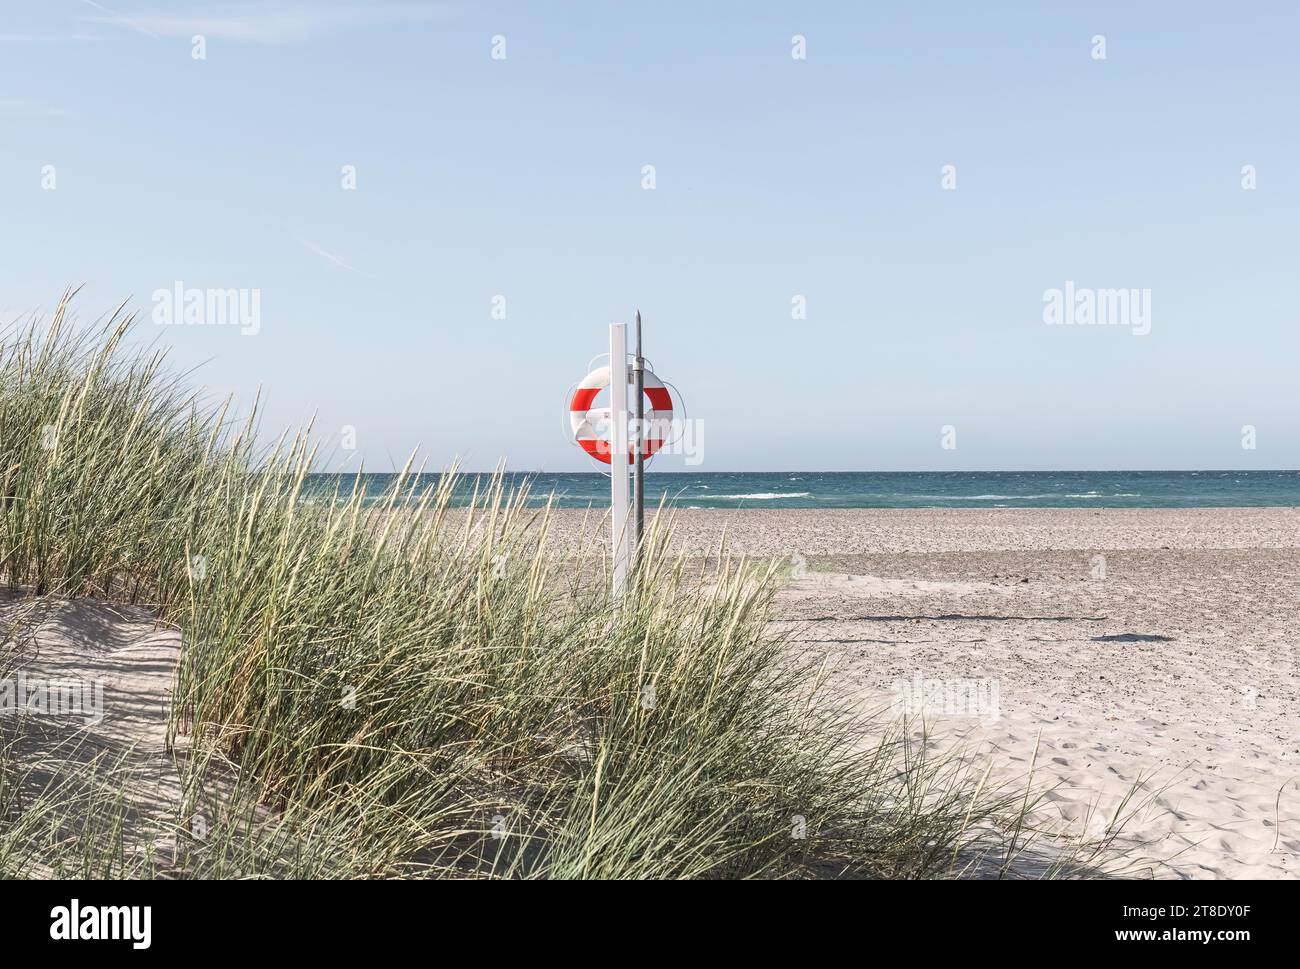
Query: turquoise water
pixel 904 489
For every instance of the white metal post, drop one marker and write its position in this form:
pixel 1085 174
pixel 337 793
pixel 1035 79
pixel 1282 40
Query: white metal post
pixel 618 453
pixel 638 445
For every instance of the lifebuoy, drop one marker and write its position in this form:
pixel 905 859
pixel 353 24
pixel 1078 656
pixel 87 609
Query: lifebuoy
pixel 581 414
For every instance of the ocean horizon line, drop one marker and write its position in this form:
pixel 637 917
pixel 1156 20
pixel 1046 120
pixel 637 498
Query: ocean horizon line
pixel 688 472
pixel 1208 488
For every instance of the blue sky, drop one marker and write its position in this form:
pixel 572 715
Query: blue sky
pixel 774 177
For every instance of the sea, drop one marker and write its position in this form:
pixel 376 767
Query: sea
pixel 882 489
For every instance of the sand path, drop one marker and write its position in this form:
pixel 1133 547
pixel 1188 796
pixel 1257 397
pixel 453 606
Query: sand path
pixel 114 742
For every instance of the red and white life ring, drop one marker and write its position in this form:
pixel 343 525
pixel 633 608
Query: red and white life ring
pixel 582 416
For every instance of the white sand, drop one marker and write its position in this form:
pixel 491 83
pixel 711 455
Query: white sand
pixel 1209 715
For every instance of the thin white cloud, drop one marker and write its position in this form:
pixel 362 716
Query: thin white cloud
pixel 271 23
pixel 328 256
pixel 113 17
pixel 22 108
pixel 47 38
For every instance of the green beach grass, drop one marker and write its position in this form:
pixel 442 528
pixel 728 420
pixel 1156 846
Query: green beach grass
pixel 406 689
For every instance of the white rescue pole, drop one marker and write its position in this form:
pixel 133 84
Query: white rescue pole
pixel 618 453
pixel 638 481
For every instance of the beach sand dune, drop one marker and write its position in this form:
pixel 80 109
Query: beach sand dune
pixel 1113 650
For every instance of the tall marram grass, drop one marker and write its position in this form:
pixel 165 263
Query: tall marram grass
pixel 413 688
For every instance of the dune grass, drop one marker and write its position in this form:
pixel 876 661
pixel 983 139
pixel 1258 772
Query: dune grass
pixel 409 688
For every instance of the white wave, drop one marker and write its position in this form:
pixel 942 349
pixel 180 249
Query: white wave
pixel 982 497
pixel 764 495
pixel 1090 494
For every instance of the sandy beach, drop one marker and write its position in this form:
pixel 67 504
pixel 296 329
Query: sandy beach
pixel 1154 648
pixel 1112 659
